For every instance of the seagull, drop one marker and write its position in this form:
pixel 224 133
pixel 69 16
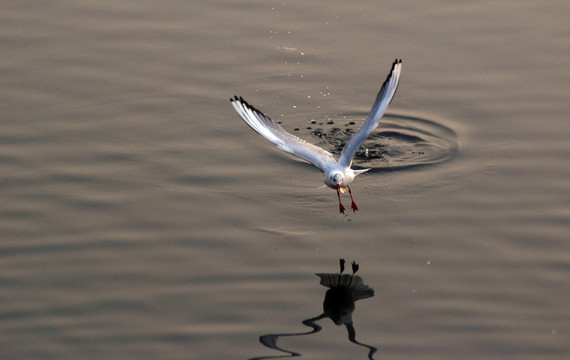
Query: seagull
pixel 336 174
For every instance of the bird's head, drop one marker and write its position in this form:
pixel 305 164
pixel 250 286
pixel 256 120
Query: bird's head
pixel 337 179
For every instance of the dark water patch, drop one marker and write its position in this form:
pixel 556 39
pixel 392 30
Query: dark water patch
pixel 399 142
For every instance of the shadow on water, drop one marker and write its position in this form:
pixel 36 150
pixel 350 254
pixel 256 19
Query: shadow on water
pixel 339 304
pixel 400 141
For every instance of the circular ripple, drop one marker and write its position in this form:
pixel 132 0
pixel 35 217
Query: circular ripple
pixel 399 142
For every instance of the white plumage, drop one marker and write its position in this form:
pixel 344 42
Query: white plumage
pixel 337 174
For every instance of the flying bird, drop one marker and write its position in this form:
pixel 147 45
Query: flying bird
pixel 336 174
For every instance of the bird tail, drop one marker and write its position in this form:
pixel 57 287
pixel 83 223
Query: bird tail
pixel 358 172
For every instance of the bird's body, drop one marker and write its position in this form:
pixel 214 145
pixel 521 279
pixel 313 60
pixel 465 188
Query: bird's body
pixel 338 175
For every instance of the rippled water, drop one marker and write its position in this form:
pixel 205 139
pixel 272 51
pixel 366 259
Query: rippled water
pixel 400 142
pixel 142 219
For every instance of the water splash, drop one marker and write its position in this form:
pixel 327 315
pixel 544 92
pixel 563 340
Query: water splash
pixel 400 142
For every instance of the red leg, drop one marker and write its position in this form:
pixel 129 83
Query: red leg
pixel 340 206
pixel 353 205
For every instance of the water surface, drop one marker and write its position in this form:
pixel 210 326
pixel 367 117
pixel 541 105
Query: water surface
pixel 142 219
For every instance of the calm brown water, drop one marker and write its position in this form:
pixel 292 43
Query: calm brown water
pixel 140 218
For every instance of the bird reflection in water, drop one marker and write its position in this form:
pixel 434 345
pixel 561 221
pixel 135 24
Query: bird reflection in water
pixel 339 304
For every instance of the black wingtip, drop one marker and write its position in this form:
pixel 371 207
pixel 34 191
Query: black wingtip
pixel 245 104
pixel 396 62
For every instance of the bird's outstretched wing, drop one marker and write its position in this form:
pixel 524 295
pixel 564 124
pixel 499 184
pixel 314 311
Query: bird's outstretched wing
pixel 381 103
pixel 277 135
